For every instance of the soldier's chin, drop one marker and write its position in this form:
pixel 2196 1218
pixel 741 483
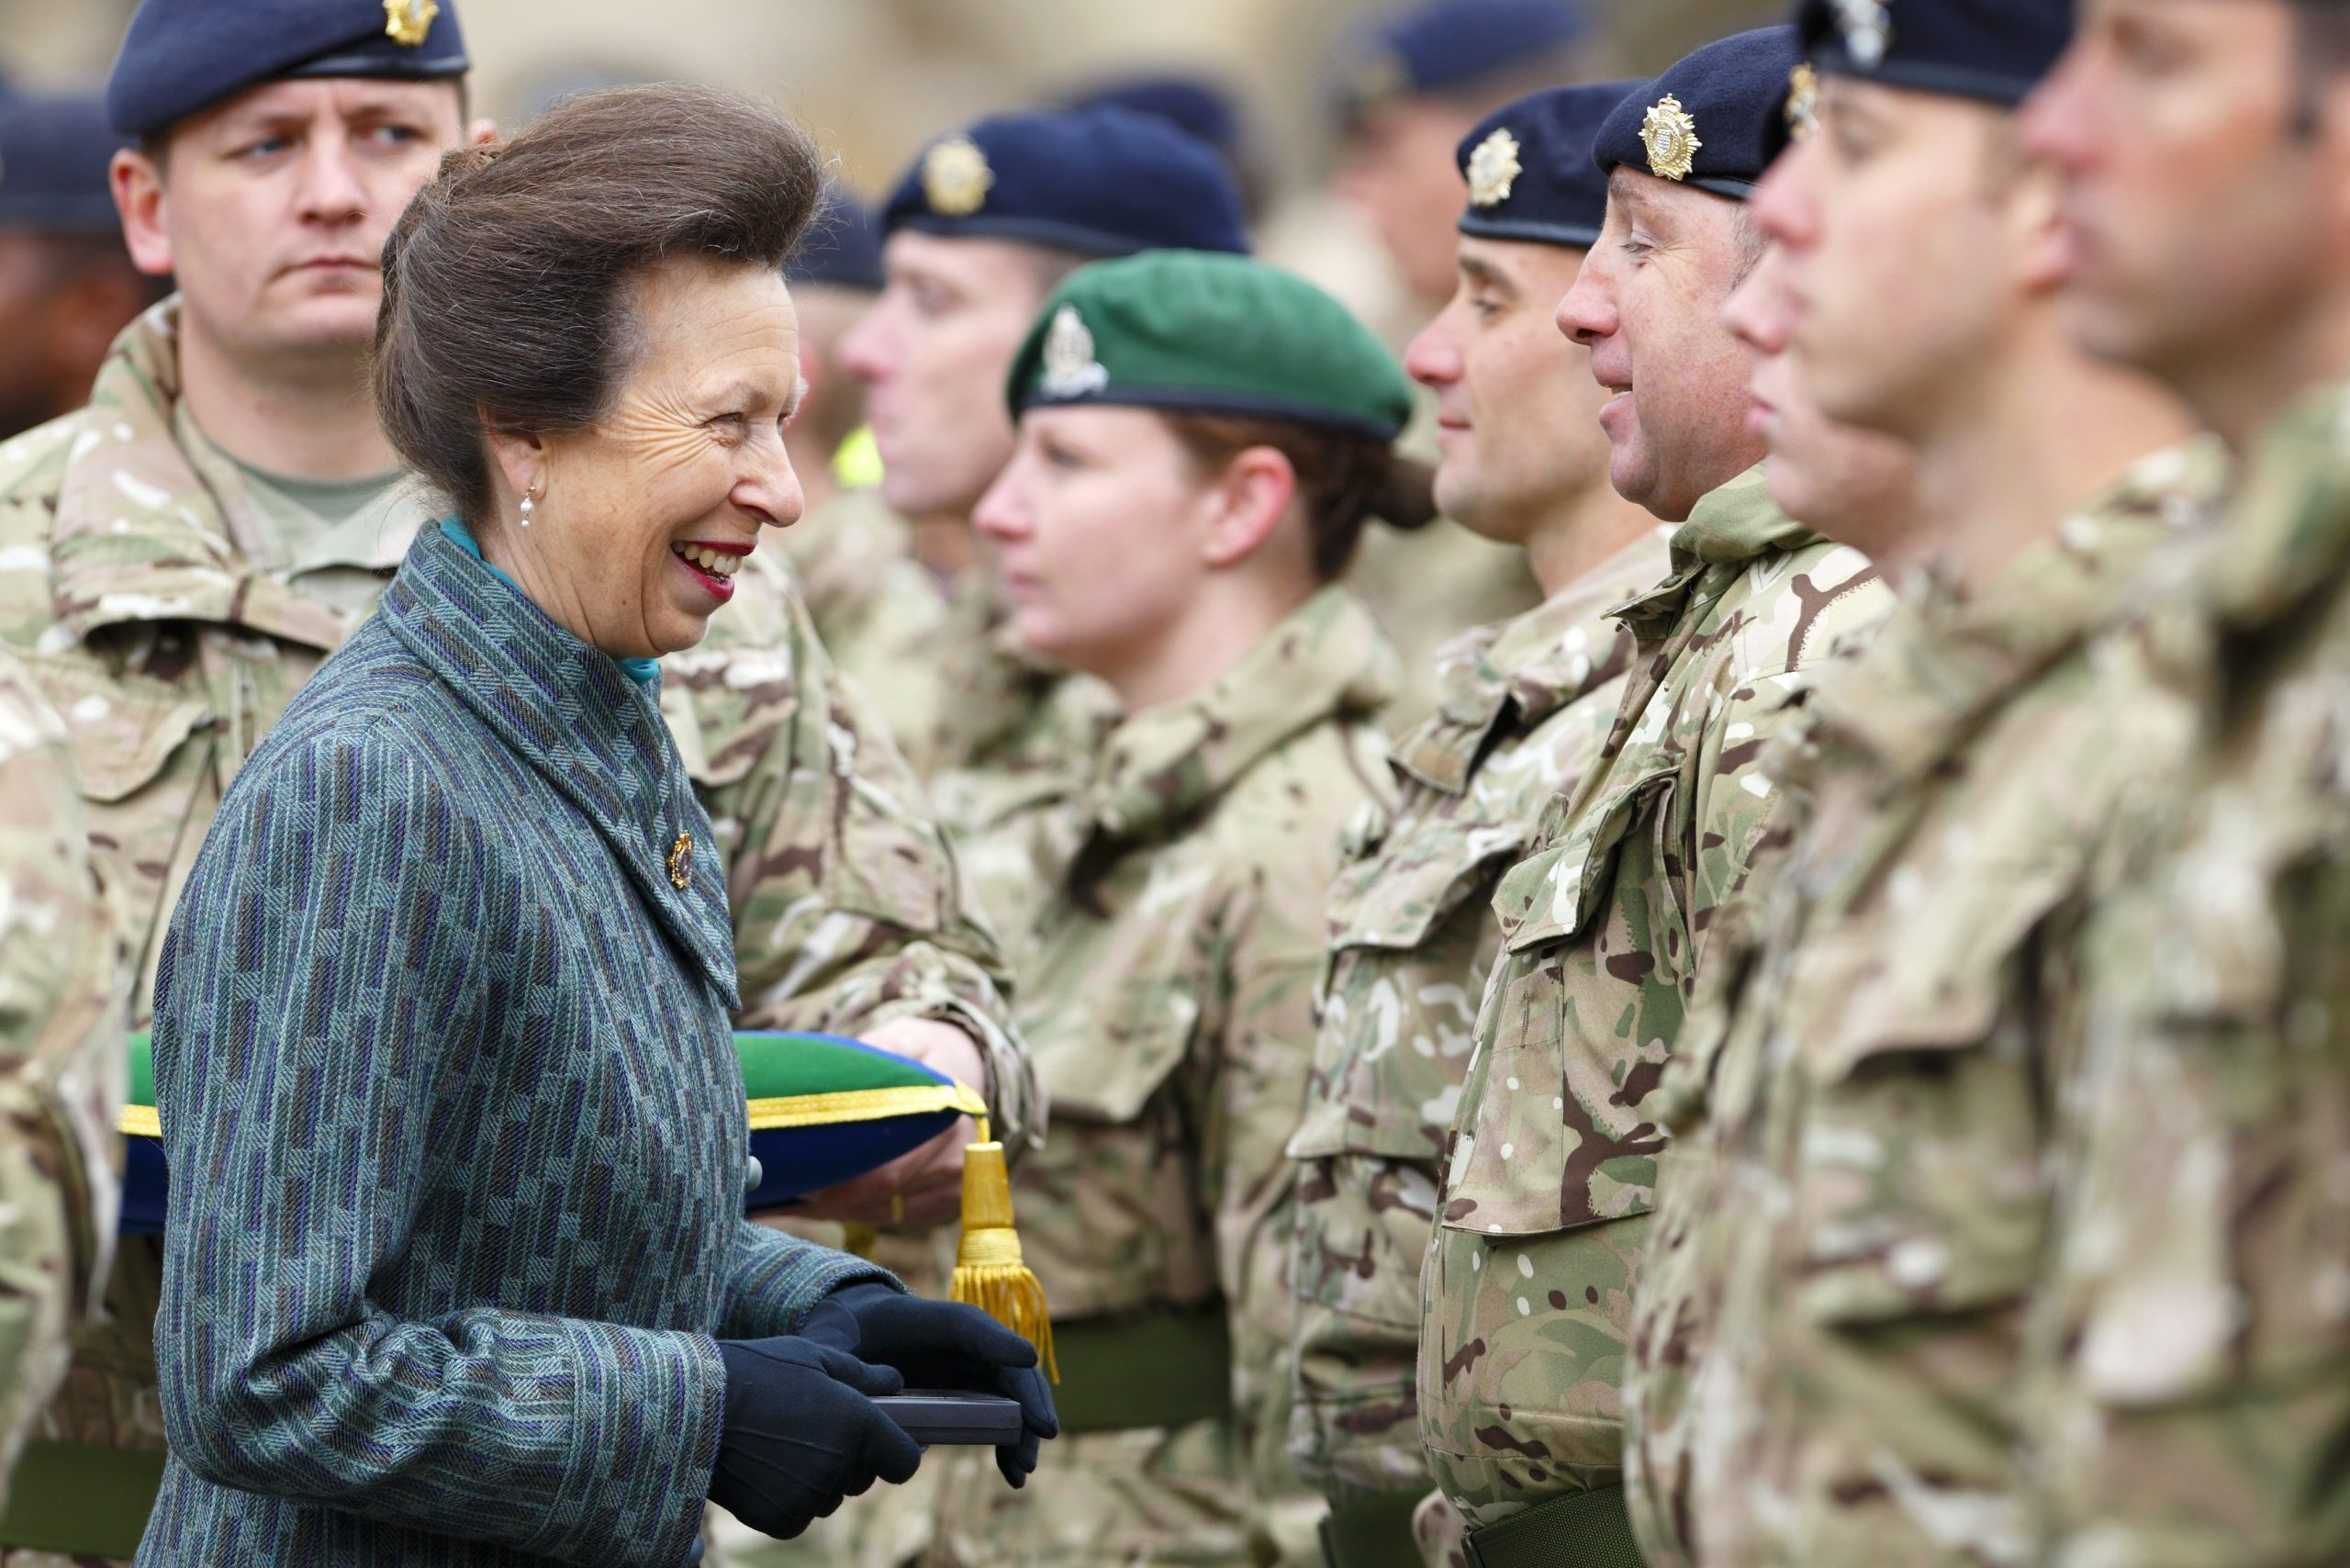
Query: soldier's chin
pixel 326 320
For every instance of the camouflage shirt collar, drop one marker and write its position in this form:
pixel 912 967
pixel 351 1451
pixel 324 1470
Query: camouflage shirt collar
pixel 138 536
pixel 2287 528
pixel 1162 764
pixel 1729 527
pixel 1940 664
pixel 1520 672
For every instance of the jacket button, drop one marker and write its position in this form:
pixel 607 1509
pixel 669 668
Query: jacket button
pixel 753 1175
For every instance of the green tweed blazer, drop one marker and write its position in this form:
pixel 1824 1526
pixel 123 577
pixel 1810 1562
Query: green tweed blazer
pixel 454 1120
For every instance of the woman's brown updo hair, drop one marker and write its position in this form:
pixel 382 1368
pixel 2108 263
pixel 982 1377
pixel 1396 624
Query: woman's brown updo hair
pixel 506 282
pixel 1345 481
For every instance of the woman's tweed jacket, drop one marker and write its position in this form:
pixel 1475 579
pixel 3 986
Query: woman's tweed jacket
pixel 454 1119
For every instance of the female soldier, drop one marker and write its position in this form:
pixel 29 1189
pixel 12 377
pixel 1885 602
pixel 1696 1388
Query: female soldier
pixel 1201 439
pixel 455 1269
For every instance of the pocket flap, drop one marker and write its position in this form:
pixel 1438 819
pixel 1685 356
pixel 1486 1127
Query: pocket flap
pixel 1417 878
pixel 122 729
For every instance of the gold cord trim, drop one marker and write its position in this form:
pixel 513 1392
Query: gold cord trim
pixel 863 1106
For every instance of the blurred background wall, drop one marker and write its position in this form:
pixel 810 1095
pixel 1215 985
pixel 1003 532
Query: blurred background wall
pixel 877 78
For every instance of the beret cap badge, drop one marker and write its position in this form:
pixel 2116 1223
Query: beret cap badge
pixel 956 177
pixel 1803 102
pixel 1867 27
pixel 1670 138
pixel 409 21
pixel 1493 168
pixel 1070 369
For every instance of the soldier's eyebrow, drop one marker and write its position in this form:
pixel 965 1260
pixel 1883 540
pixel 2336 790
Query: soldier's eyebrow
pixel 1482 273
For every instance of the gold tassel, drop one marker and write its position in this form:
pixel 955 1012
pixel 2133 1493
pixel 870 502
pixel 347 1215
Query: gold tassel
pixel 989 1272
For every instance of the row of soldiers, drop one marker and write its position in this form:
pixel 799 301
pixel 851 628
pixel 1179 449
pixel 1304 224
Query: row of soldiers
pixel 1821 1048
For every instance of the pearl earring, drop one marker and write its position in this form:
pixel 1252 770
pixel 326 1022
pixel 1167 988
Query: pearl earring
pixel 528 506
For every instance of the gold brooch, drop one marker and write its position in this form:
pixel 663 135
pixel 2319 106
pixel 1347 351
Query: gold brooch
pixel 1671 137
pixel 956 177
pixel 1803 102
pixel 681 861
pixel 407 21
pixel 1493 168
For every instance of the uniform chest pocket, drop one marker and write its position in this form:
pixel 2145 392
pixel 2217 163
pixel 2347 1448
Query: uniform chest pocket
pixel 1920 1171
pixel 2208 1210
pixel 1412 941
pixel 1574 1034
pixel 1416 880
pixel 1104 1060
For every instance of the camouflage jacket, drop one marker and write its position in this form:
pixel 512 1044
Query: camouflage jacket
pixel 2188 1359
pixel 1851 1207
pixel 61 1004
pixel 1525 705
pixel 1525 1291
pixel 168 655
pixel 877 611
pixel 1170 1002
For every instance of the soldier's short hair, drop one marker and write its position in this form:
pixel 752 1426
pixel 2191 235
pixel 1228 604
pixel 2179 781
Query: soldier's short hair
pixel 506 282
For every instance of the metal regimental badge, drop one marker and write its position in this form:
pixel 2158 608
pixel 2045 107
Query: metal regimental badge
pixel 956 177
pixel 1671 137
pixel 1070 369
pixel 1493 169
pixel 1803 102
pixel 1868 29
pixel 1378 76
pixel 681 861
pixel 408 22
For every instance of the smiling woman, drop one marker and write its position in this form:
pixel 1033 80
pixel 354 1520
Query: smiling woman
pixel 444 1006
pixel 584 330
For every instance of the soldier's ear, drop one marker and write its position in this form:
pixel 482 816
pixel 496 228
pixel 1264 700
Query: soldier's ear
pixel 137 181
pixel 1249 500
pixel 482 132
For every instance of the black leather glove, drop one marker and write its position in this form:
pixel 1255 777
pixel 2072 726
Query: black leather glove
pixel 801 1432
pixel 937 1344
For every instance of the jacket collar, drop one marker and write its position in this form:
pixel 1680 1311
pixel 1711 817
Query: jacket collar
pixel 1520 672
pixel 1727 529
pixel 140 535
pixel 1162 764
pixel 1940 665
pixel 572 715
pixel 2288 529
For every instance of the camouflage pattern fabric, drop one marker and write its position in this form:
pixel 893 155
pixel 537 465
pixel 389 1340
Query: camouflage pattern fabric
pixel 1851 1210
pixel 1427 586
pixel 1170 1004
pixel 168 654
pixel 2189 1360
pixel 1440 1533
pixel 1526 707
pixel 877 611
pixel 1549 1178
pixel 62 1064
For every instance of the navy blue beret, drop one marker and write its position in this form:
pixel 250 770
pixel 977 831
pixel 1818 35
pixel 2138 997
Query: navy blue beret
pixel 1711 120
pixel 841 246
pixel 1995 49
pixel 53 157
pixel 1102 182
pixel 183 55
pixel 1529 170
pixel 1188 102
pixel 1446 44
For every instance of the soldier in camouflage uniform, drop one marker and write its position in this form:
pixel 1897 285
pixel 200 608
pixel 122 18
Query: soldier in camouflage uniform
pixel 1851 1210
pixel 1167 547
pixel 1548 1179
pixel 880 614
pixel 2187 1364
pixel 170 593
pixel 60 1064
pixel 978 231
pixel 1527 703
